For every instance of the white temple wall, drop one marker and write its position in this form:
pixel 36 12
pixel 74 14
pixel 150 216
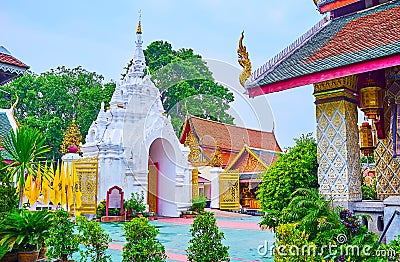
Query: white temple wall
pixel 162 153
pixel 110 174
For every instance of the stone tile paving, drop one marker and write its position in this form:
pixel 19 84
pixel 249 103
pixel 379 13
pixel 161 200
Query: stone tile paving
pixel 242 235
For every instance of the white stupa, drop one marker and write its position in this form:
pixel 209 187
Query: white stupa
pixel 134 136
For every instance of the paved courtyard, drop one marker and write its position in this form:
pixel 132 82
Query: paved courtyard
pixel 242 235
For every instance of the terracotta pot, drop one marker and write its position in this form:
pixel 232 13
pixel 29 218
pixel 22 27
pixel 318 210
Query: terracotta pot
pixel 28 256
pixel 10 257
pixel 42 252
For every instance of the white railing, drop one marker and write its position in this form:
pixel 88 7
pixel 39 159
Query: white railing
pixel 288 50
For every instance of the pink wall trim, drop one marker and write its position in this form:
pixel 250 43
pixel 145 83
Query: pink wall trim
pixel 362 67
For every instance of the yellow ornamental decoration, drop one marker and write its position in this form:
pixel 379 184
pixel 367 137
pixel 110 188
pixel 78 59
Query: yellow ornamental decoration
pixel 72 139
pixel 244 61
pixel 216 158
pixel 195 152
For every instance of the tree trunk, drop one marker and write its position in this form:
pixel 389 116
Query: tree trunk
pixel 21 197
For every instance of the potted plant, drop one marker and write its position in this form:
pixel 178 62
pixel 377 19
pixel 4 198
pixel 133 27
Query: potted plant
pixel 62 242
pixel 135 205
pixel 95 240
pixel 6 255
pixel 25 231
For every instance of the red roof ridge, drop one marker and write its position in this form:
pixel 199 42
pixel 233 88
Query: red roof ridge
pixel 11 60
pixel 252 129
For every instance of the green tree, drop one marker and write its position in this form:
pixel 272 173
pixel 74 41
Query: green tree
pixel 206 242
pixel 186 84
pixel 95 240
pixel 51 100
pixel 62 242
pixel 141 243
pixel 25 147
pixel 297 168
pixel 315 215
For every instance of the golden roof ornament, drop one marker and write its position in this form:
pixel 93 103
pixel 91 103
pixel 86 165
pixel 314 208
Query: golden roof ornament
pixel 13 106
pixel 72 139
pixel 195 152
pixel 139 28
pixel 216 158
pixel 244 61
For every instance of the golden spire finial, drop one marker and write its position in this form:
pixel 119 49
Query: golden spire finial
pixel 72 139
pixel 244 61
pixel 139 27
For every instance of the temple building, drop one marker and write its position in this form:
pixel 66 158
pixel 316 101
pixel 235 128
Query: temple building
pixel 136 147
pixel 10 68
pixel 219 151
pixel 352 58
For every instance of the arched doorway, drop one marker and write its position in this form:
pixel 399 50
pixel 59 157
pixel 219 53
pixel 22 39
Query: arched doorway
pixel 161 178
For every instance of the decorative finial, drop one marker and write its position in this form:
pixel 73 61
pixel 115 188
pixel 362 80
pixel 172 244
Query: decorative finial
pixel 13 106
pixel 244 61
pixel 72 139
pixel 187 111
pixel 139 27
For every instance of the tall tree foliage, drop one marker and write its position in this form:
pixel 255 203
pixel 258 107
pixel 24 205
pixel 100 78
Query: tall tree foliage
pixel 186 83
pixel 50 100
pixel 295 169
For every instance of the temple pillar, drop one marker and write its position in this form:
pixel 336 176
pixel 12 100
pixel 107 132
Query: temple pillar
pixel 387 153
pixel 215 172
pixel 339 174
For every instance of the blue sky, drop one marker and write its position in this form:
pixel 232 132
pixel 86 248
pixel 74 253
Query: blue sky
pixel 99 35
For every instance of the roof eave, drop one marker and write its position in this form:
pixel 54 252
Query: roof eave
pixel 323 8
pixel 316 77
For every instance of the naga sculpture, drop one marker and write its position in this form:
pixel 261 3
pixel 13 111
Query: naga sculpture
pixel 244 61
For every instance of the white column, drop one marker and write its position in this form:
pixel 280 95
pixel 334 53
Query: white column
pixel 215 171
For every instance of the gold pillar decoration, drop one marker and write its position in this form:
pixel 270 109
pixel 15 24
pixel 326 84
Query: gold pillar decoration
pixel 244 61
pixel 72 139
pixel 195 182
pixel 338 150
pixel 216 158
pixel 388 167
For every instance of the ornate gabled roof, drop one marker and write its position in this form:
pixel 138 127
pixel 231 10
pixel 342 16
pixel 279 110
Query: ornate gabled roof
pixel 10 67
pixel 231 139
pixel 364 41
pixel 252 160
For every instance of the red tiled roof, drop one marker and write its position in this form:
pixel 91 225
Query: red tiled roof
pixel 230 137
pixel 346 45
pixel 366 32
pixel 9 59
